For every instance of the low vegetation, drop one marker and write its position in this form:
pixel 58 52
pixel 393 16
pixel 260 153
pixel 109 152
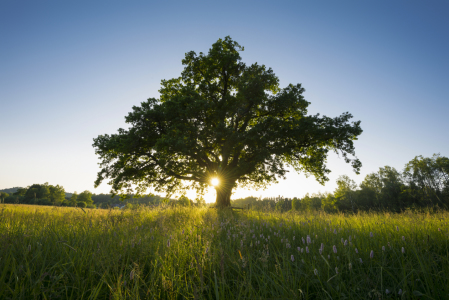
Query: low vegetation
pixel 202 253
pixel 424 183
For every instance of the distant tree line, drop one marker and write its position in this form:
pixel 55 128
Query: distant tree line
pixel 106 201
pixel 46 194
pixel 423 183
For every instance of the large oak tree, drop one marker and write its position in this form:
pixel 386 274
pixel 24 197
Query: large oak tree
pixel 226 120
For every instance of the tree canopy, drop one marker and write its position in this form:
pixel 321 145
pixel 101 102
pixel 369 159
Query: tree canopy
pixel 222 119
pixel 86 197
pixel 39 194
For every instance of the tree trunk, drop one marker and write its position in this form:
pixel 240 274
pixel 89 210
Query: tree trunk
pixel 224 191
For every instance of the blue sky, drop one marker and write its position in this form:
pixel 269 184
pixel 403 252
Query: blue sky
pixel 71 71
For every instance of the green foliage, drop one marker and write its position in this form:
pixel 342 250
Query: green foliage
pixel 107 200
pixel 224 119
pixel 165 201
pixel 56 194
pixel 296 204
pixel 3 195
pixel 183 201
pixel 37 191
pixel 200 202
pixel 265 204
pixel 14 199
pixel 43 201
pixel 21 192
pixel 44 194
pixel 81 204
pixel 429 179
pixel 73 199
pixel 344 194
pixel 311 203
pixel 104 205
pixel 329 203
pixel 423 183
pixel 86 197
pixel 243 202
pixel 283 205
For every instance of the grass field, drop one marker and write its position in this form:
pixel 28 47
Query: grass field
pixel 191 253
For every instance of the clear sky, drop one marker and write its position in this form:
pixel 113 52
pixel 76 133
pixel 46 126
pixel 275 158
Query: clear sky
pixel 71 70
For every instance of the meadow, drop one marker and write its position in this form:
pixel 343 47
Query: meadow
pixel 202 253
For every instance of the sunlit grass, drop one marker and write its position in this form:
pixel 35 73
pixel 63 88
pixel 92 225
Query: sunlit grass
pixel 176 253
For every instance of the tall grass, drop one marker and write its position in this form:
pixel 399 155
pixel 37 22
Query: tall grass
pixel 177 253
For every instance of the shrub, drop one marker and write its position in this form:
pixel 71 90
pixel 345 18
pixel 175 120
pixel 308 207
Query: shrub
pixel 183 201
pixel 65 203
pixel 81 204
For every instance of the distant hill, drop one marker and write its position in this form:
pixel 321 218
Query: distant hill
pixel 11 191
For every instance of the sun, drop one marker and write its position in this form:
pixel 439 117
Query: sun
pixel 215 181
